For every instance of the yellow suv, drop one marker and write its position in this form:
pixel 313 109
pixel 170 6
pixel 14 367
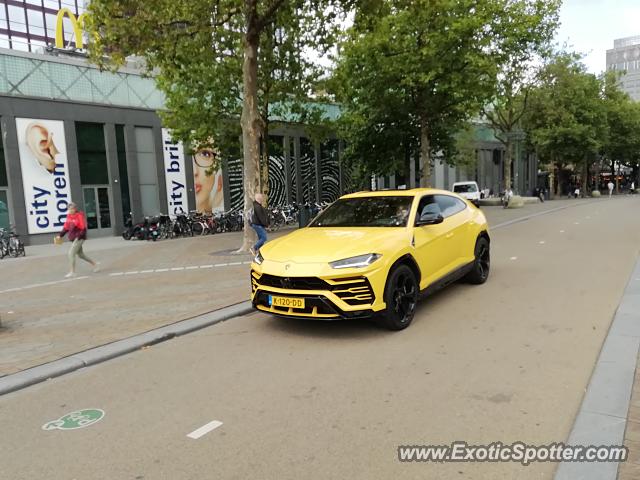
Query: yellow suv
pixel 371 254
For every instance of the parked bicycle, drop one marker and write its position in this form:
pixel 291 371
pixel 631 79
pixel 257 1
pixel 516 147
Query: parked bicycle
pixel 164 226
pixel 10 243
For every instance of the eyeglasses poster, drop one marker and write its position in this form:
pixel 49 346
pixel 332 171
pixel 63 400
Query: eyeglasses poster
pixel 208 184
pixel 45 173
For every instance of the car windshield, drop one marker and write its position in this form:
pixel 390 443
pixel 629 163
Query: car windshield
pixel 465 188
pixel 366 212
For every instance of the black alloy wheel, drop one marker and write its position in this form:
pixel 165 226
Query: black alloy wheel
pixel 482 263
pixel 401 297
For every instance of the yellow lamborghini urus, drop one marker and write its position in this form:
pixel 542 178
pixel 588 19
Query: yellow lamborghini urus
pixel 371 254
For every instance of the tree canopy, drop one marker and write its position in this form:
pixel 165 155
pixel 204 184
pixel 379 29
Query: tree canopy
pixel 411 73
pixel 222 64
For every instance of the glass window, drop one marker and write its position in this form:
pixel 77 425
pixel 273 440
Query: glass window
pixel 53 4
pixel 4 41
pixel 4 210
pixel 17 20
pixel 450 205
pixel 90 207
pixel 465 188
pixel 92 154
pixel 50 24
pixel 427 204
pixel 36 22
pixel 104 209
pixel 378 211
pixel 35 2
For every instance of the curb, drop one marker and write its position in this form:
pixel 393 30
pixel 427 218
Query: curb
pixel 602 417
pixel 93 356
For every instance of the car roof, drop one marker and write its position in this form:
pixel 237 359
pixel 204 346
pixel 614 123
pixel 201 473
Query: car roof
pixel 465 183
pixel 397 193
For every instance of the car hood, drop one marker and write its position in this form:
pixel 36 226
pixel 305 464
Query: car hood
pixel 326 244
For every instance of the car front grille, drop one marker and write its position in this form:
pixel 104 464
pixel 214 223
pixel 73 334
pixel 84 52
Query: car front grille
pixel 352 290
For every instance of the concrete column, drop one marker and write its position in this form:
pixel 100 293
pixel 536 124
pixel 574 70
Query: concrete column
pixel 392 182
pixel 162 179
pixel 74 163
pixel 114 177
pixel 191 188
pixel 18 211
pixel 226 186
pixel 132 169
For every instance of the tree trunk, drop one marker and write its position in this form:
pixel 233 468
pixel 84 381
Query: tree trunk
pixel 584 179
pixel 508 156
pixel 425 155
pixel 251 126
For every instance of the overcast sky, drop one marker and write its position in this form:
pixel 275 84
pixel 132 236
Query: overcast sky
pixel 590 26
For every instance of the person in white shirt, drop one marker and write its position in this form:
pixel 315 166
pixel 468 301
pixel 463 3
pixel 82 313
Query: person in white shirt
pixel 610 187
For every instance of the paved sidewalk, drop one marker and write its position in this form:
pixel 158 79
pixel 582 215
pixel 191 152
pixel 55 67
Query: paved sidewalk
pixel 142 286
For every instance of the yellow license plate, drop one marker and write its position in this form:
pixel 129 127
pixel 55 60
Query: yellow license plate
pixel 286 302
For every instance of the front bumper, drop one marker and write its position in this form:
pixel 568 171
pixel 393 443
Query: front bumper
pixel 325 299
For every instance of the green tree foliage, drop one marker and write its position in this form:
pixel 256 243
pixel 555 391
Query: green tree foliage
pixel 220 61
pixel 412 72
pixel 535 26
pixel 566 120
pixel 622 143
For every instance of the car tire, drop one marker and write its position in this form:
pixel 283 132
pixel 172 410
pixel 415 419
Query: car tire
pixel 401 297
pixel 481 263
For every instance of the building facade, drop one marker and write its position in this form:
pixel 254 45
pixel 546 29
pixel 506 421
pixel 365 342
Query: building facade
pixel 625 57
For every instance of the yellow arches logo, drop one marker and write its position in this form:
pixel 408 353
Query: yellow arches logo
pixel 76 25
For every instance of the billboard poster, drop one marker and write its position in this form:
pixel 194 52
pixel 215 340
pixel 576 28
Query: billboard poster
pixel 175 176
pixel 208 184
pixel 45 173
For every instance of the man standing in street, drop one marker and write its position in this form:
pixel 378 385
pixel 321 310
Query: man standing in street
pixel 259 222
pixel 610 187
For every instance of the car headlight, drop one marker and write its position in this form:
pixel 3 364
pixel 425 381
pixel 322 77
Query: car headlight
pixel 258 258
pixel 356 262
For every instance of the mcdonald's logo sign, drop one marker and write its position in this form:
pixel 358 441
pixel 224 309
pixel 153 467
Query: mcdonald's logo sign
pixel 76 25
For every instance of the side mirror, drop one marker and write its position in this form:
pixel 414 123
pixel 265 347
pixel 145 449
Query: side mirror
pixel 429 218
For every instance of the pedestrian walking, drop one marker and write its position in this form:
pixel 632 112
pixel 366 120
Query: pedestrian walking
pixel 610 187
pixel 576 192
pixel 76 227
pixel 259 222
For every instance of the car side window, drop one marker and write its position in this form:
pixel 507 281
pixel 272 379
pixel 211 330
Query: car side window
pixel 427 204
pixel 449 205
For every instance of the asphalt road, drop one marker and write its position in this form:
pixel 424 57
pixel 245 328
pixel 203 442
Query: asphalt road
pixel 505 361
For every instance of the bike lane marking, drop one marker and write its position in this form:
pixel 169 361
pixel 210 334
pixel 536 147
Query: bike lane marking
pixel 46 284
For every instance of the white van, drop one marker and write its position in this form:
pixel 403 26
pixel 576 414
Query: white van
pixel 468 190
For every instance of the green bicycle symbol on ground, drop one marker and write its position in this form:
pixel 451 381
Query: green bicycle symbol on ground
pixel 75 420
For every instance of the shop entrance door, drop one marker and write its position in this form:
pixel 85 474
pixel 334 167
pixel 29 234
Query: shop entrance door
pixel 97 208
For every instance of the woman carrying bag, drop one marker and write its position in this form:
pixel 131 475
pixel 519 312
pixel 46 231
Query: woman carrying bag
pixel 76 226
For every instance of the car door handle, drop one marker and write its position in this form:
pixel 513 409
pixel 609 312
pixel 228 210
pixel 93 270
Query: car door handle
pixel 448 235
